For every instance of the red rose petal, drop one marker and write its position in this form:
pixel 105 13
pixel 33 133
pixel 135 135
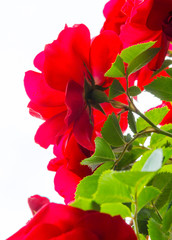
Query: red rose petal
pixel 64 58
pixel 104 50
pixel 39 92
pixel 77 234
pixel 74 101
pixel 83 130
pixel 39 61
pixel 65 183
pixel 36 202
pixel 48 132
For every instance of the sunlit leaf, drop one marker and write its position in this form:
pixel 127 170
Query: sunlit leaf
pixel 117 69
pixel 85 204
pixel 102 153
pixel 155 115
pixel 87 187
pixel 161 88
pixel 167 220
pixel 155 231
pixel 141 60
pixel 116 209
pixel 128 54
pixel 111 190
pixel 147 195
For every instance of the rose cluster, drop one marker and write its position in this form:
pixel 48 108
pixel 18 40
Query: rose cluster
pixel 69 92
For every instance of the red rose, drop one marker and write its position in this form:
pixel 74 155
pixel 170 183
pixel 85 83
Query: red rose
pixel 58 94
pixel 149 20
pixel 36 202
pixel 69 154
pixel 67 166
pixel 60 222
pixel 115 17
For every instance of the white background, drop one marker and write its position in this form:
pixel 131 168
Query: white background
pixel 25 27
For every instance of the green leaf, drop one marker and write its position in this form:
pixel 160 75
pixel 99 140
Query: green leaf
pixel 132 122
pixel 102 153
pixel 146 213
pixel 142 139
pixel 169 71
pixel 131 179
pixel 156 115
pixel 117 69
pixel 164 196
pixel 134 91
pixel 139 164
pixel 167 153
pixel 154 162
pixel 161 88
pixel 155 231
pixel 165 64
pixel 85 204
pixel 162 181
pixel 87 187
pixel 105 166
pixel 163 211
pixel 147 195
pixel 166 169
pixel 116 89
pixel 111 131
pixel 128 54
pixel 125 183
pixel 167 220
pixel 159 140
pixel 142 237
pixel 131 156
pixel 116 209
pixel 136 180
pixel 111 190
pixel 142 218
pixel 141 60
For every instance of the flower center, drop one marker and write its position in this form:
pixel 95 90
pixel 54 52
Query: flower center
pixel 167 26
pixel 169 18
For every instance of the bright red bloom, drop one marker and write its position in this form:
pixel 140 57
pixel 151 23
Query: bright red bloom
pixel 67 166
pixel 60 222
pixel 69 154
pixel 36 202
pixel 58 94
pixel 114 15
pixel 149 20
pixel 168 118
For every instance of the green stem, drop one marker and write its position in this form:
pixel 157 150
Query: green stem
pixel 157 130
pixel 127 91
pixel 133 108
pixel 135 218
pixel 117 104
pixel 156 210
pixel 130 142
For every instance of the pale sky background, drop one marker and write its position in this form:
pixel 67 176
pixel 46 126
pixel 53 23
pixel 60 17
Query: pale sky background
pixel 25 27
